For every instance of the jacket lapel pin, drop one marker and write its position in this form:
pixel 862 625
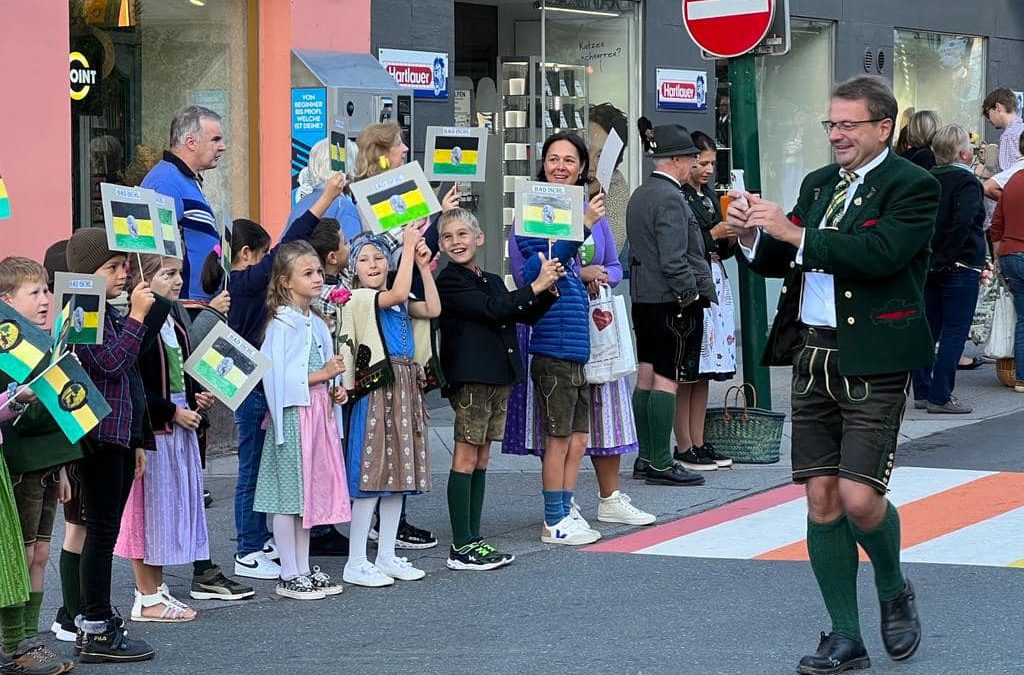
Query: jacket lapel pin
pixel 817 193
pixel 858 201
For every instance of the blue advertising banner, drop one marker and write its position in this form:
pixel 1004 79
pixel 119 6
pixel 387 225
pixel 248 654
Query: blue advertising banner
pixel 309 125
pixel 424 72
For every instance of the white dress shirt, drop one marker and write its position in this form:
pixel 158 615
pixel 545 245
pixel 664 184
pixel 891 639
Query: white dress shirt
pixel 818 301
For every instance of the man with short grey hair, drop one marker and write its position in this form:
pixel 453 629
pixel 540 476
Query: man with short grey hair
pixel 196 144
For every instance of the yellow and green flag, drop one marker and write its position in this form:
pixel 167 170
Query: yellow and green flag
pixel 70 397
pixel 224 368
pixel 84 319
pixel 456 155
pixel 133 228
pixel 337 151
pixel 5 202
pixel 61 329
pixel 399 205
pixel 547 220
pixel 168 232
pixel 23 346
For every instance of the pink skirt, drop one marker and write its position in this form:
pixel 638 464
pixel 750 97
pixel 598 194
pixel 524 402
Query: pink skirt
pixel 325 493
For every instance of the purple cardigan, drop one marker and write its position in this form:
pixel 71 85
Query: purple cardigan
pixel 604 254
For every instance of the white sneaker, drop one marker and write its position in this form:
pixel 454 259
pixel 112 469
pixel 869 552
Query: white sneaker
pixel 365 574
pixel 270 550
pixel 618 508
pixel 400 568
pixel 577 515
pixel 569 532
pixel 256 565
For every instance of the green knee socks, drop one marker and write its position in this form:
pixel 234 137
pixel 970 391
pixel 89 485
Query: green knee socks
pixel 661 414
pixel 70 584
pixel 882 545
pixel 643 433
pixel 476 502
pixel 459 488
pixel 834 559
pixel 30 621
pixel 12 626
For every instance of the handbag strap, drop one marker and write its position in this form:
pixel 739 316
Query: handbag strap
pixel 735 391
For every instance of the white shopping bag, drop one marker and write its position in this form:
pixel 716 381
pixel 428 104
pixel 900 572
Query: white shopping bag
pixel 1004 323
pixel 611 349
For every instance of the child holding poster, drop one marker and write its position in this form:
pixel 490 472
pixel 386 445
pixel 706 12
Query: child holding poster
pixel 301 478
pixel 252 260
pixel 164 522
pixel 391 337
pixel 35 450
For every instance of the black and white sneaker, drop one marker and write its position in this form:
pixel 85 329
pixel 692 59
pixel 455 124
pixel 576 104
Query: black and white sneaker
pixel 693 460
pixel 708 450
pixel 299 588
pixel 63 627
pixel 477 555
pixel 113 645
pixel 412 537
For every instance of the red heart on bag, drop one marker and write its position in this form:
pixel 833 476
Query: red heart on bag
pixel 602 318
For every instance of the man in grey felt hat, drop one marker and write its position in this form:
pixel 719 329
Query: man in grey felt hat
pixel 670 284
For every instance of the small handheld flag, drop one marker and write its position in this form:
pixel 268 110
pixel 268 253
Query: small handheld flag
pixel 399 205
pixel 5 202
pixel 71 397
pixel 23 346
pixel 61 329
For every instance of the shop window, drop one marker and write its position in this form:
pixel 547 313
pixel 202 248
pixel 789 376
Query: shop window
pixel 153 58
pixel 792 96
pixel 941 72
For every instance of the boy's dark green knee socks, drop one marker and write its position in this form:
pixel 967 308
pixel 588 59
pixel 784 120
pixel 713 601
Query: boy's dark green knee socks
pixel 834 559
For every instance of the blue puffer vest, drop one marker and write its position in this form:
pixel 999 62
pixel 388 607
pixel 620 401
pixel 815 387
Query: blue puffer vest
pixel 563 332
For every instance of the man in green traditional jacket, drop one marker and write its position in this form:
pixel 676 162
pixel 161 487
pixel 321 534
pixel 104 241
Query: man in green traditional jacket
pixel 851 322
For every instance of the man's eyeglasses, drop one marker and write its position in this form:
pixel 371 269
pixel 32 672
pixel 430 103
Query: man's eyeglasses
pixel 829 125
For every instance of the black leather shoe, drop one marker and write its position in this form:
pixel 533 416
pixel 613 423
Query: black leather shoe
pixel 674 475
pixel 640 466
pixel 331 543
pixel 901 626
pixel 836 654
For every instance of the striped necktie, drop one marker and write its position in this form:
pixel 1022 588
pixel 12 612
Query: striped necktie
pixel 835 209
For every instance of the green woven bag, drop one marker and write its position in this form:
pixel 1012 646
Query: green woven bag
pixel 749 435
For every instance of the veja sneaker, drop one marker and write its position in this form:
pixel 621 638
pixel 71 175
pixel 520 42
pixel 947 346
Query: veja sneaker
pixel 299 588
pixel 399 568
pixel 323 582
pixel 365 574
pixel 567 531
pixel 618 508
pixel 257 565
pixel 577 515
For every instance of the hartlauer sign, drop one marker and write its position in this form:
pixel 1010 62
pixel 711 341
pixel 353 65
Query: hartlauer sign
pixel 727 28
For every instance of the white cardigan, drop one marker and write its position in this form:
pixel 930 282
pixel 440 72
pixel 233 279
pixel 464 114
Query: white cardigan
pixel 287 345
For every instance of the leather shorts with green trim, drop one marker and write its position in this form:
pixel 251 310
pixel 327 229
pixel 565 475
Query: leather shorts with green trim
pixel 844 426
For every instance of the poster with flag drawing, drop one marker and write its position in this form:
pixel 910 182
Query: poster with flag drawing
pixel 456 153
pixel 131 217
pixel 549 210
pixel 87 296
pixel 167 216
pixel 395 198
pixel 227 365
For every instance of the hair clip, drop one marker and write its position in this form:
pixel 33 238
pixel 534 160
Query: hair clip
pixel 218 250
pixel 384 163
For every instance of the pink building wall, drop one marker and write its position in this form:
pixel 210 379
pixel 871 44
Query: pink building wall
pixel 35 126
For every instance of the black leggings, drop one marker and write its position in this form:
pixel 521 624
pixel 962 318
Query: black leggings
pixel 106 472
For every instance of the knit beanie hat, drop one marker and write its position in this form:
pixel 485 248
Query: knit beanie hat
pixel 87 250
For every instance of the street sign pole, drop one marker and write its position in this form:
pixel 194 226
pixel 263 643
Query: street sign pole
pixel 746 156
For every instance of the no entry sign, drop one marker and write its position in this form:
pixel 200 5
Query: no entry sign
pixel 727 28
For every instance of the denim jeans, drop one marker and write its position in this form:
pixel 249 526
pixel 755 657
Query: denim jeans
pixel 1012 267
pixel 250 527
pixel 950 297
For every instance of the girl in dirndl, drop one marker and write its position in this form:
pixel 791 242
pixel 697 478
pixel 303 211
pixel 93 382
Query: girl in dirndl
pixel 301 478
pixel 164 521
pixel 388 362
pixel 718 353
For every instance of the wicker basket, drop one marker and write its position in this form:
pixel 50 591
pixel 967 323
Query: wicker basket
pixel 749 435
pixel 1006 371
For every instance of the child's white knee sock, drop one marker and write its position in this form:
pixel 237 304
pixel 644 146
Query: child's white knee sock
pixel 390 514
pixel 359 529
pixel 301 547
pixel 284 535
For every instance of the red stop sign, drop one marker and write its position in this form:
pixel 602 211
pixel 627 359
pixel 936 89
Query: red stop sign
pixel 727 28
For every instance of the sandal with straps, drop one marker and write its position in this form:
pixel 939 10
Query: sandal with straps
pixel 174 611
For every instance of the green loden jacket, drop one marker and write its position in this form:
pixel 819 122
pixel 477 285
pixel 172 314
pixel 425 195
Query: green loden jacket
pixel 878 257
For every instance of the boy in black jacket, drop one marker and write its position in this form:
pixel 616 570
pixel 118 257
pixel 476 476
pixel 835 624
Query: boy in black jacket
pixel 481 361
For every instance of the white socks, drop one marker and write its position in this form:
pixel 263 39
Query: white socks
pixel 359 529
pixel 390 514
pixel 292 545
